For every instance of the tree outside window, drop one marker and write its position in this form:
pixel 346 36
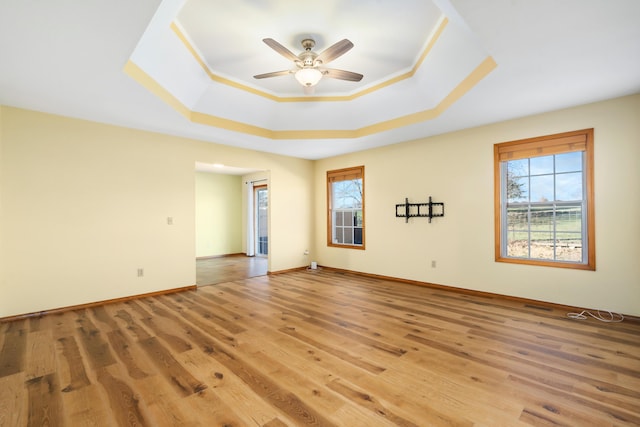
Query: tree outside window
pixel 345 197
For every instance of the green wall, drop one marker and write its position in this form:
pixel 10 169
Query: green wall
pixel 218 214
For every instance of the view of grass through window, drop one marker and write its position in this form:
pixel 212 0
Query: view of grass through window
pixel 544 207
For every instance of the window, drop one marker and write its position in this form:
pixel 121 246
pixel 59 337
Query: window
pixel 345 201
pixel 544 201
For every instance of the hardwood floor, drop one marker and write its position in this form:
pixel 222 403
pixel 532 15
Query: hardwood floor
pixel 318 348
pixel 210 271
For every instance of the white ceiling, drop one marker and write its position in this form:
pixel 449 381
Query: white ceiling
pixel 185 67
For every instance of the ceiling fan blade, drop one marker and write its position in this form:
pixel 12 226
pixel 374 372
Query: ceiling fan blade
pixel 334 51
pixel 272 74
pixel 281 49
pixel 342 75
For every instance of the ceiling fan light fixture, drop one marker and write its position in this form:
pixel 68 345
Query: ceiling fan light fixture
pixel 308 76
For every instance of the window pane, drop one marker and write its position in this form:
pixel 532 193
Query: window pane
pixel 542 231
pixel 569 162
pixel 347 194
pixel 338 235
pixel 569 247
pixel 517 180
pixel 542 246
pixel 348 218
pixel 517 189
pixel 358 219
pixel 348 236
pixel 518 246
pixel 357 236
pixel 541 165
pixel 542 219
pixel 569 218
pixel 518 218
pixel 542 188
pixel 517 232
pixel 569 186
pixel 518 167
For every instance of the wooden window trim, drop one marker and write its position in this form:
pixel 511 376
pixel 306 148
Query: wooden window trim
pixel 344 175
pixel 581 140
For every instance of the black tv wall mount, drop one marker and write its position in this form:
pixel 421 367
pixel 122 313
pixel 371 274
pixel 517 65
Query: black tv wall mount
pixel 429 210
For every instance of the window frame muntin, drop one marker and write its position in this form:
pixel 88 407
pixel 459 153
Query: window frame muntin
pixel 359 171
pixel 580 140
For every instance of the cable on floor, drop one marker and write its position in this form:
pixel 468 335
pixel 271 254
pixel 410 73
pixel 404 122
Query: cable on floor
pixel 610 317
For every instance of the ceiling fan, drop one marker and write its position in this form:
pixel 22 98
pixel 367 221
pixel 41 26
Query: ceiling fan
pixel 310 65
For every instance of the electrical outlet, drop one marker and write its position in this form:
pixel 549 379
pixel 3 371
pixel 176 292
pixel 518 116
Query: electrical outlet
pixel 433 263
pixel 306 252
pixel 169 220
pixel 140 272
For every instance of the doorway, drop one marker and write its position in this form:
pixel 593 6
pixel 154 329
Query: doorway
pixel 260 215
pixel 225 217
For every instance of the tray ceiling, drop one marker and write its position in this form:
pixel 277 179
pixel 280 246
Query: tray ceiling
pixel 185 67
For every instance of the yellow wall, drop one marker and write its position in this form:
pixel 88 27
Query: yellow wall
pixel 218 214
pixel 84 205
pixel 1 201
pixel 457 169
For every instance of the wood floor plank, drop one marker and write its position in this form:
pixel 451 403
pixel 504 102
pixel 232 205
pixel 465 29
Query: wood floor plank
pixel 124 403
pixel 246 404
pixel 88 406
pixel 181 304
pixel 101 314
pixel 312 393
pixel 335 350
pixel 13 351
pixel 590 362
pixel 94 342
pixel 371 403
pixel 184 383
pixel 13 400
pixel 155 389
pixel 120 345
pixel 276 422
pixel 161 328
pixel 34 323
pixel 197 305
pixel 173 414
pixel 447 401
pixel 583 410
pixel 41 354
pixel 45 401
pixel 216 411
pixel 71 370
